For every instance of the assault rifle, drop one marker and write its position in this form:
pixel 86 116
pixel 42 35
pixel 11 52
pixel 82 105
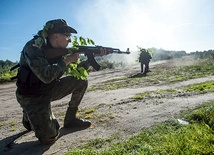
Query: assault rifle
pixel 89 51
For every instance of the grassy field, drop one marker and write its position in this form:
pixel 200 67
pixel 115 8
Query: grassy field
pixel 190 133
pixel 161 76
pixel 195 136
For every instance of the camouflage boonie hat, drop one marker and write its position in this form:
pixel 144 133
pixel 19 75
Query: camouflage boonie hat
pixel 58 26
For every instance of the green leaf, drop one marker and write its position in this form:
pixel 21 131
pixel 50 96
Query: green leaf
pixel 78 72
pixel 39 42
pixel 92 42
pixel 82 41
pixel 150 52
pixel 72 68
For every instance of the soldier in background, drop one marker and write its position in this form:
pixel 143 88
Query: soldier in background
pixel 144 59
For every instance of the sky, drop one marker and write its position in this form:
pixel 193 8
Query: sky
pixel 186 25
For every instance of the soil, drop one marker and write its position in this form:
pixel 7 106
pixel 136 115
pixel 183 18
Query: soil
pixel 115 113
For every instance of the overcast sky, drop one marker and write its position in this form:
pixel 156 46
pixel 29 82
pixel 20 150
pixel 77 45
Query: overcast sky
pixel 169 24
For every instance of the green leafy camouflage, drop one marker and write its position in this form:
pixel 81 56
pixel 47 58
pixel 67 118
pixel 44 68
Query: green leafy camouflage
pixel 72 68
pixel 42 39
pixel 78 72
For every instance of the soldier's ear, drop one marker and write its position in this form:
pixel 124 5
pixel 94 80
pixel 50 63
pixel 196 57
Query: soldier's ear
pixel 56 35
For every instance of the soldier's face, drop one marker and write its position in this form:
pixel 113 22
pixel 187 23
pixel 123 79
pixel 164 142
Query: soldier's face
pixel 63 40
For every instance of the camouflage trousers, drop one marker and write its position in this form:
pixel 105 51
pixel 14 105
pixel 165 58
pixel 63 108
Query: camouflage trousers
pixel 144 67
pixel 38 109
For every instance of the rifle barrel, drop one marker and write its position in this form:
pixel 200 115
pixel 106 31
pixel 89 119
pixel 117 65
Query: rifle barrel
pixel 109 49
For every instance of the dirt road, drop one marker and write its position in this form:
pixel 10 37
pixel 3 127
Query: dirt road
pixel 115 113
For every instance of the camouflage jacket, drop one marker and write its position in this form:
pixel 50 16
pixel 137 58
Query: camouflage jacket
pixel 37 74
pixel 144 57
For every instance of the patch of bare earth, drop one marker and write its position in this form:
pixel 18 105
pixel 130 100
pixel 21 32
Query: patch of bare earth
pixel 115 113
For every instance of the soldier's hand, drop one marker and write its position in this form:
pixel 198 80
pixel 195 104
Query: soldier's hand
pixel 103 51
pixel 71 58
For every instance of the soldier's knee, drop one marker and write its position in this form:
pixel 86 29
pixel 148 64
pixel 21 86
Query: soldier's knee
pixel 48 136
pixel 48 140
pixel 72 80
pixel 48 132
pixel 82 83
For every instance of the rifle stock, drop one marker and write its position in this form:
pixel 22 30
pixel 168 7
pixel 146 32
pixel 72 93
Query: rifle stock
pixel 89 51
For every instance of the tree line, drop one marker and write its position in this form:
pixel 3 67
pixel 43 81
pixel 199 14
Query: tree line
pixel 161 54
pixel 5 73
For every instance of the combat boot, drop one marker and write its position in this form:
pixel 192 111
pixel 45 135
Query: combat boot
pixel 71 121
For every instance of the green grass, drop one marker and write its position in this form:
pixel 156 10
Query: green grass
pixel 13 129
pixel 13 123
pixel 165 138
pixel 200 88
pixel 202 114
pixel 87 114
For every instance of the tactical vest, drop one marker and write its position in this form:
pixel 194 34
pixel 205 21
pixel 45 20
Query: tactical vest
pixel 29 84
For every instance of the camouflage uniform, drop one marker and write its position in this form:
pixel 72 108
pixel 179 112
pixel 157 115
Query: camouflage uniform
pixel 39 83
pixel 144 59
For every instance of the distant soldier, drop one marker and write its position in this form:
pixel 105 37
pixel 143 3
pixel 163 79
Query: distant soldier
pixel 144 59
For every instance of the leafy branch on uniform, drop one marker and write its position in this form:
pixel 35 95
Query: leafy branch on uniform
pixel 72 68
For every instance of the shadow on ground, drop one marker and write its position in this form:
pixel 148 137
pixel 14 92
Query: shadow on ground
pixel 8 146
pixel 137 75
